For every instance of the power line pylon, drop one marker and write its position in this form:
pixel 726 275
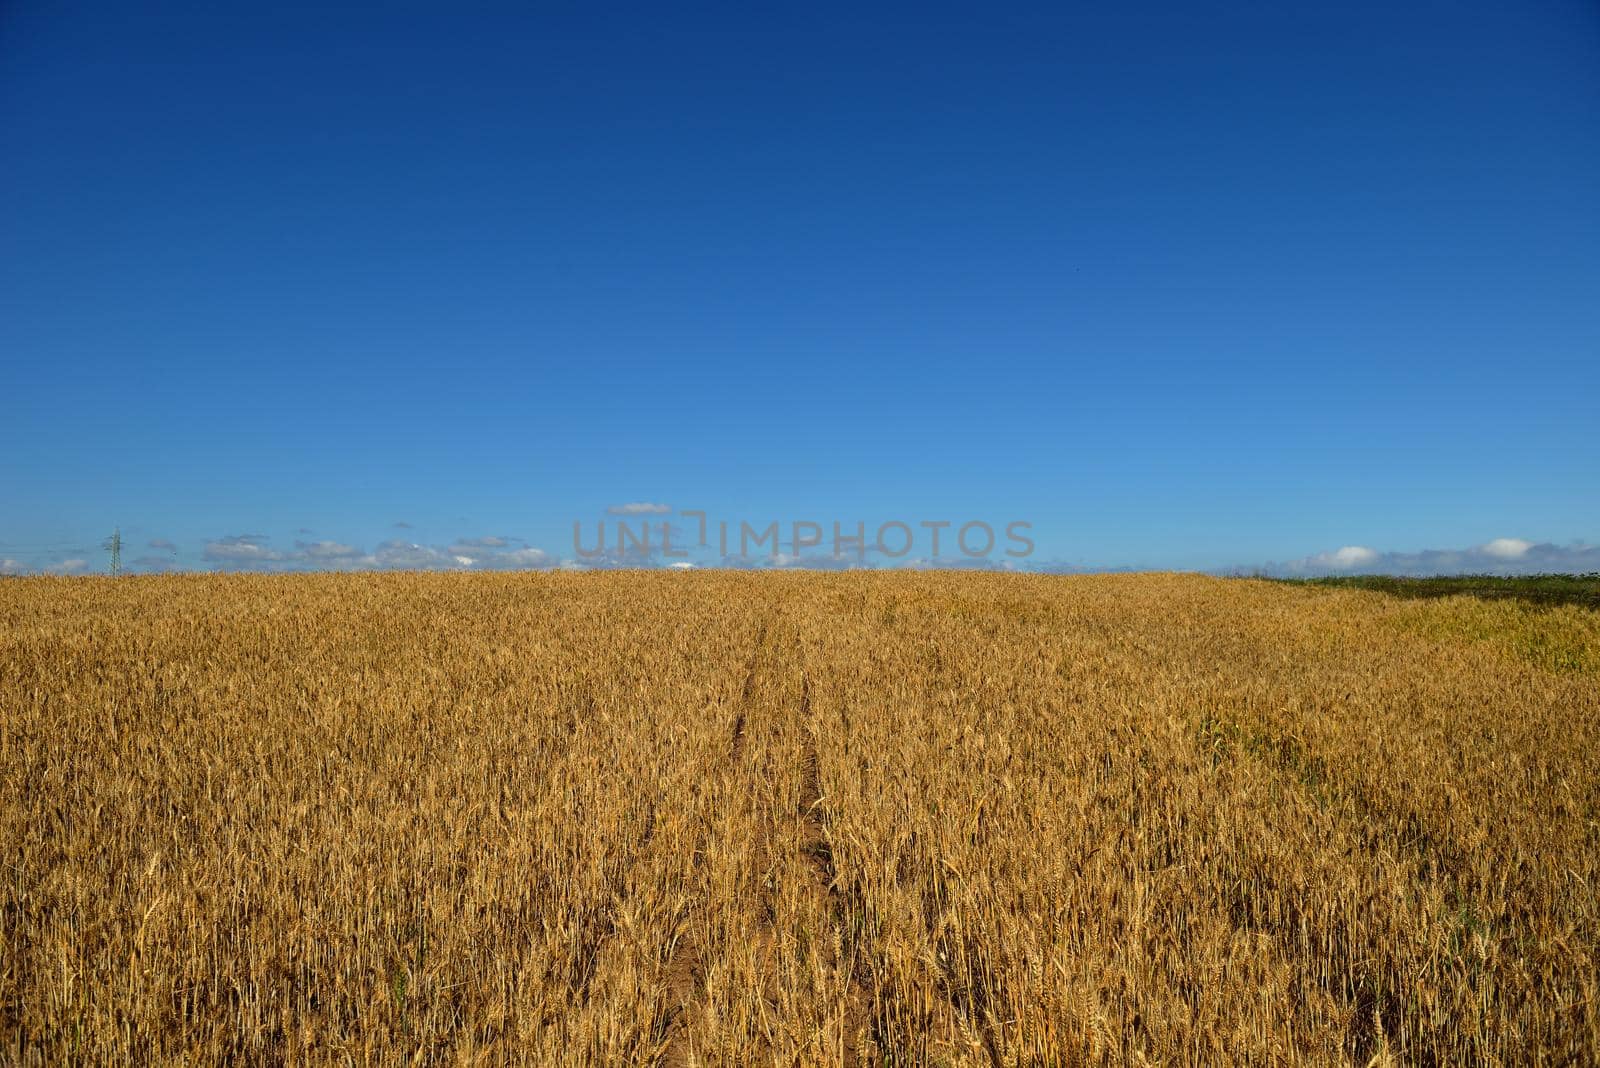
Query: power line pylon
pixel 114 544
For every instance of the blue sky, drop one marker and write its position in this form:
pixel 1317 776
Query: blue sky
pixel 1189 286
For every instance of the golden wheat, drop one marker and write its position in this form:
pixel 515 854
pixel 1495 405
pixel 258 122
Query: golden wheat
pixel 793 819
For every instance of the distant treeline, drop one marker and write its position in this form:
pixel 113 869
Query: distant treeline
pixel 1580 590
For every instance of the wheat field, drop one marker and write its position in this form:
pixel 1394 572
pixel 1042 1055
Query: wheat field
pixel 794 819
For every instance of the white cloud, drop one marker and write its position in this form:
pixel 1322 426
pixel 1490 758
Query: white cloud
pixel 330 552
pixel 966 563
pixel 9 566
pixel 783 561
pixel 478 554
pixel 1351 556
pixel 482 543
pixel 498 554
pixel 241 550
pixel 1503 556
pixel 409 556
pixel 68 567
pixel 1508 548
pixel 518 558
pixel 639 508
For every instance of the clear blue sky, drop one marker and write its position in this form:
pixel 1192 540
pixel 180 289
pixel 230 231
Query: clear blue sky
pixel 1182 285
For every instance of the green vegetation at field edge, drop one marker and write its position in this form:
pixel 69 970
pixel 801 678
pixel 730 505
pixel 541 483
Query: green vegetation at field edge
pixel 1580 590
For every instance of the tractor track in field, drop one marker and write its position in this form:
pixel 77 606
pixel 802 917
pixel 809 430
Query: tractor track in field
pixel 684 974
pixel 861 1010
pixel 599 924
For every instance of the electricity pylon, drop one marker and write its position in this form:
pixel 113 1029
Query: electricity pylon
pixel 114 544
